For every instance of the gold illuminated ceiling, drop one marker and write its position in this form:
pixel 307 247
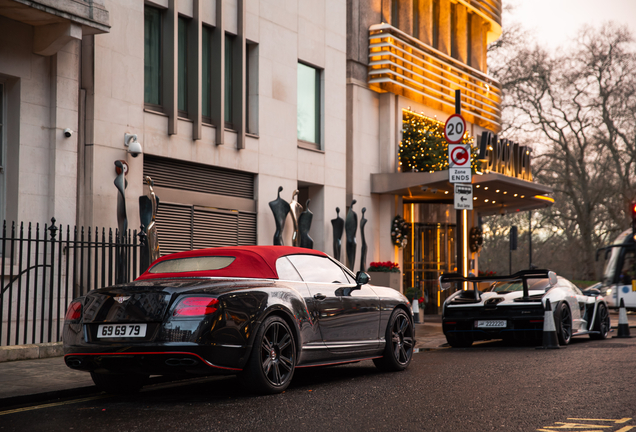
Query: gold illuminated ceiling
pixel 401 64
pixel 493 193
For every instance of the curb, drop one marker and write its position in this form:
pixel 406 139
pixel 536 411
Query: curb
pixel 31 352
pixel 14 401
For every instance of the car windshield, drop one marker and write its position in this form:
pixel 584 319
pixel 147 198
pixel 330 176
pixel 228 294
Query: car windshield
pixel 182 265
pixel 511 286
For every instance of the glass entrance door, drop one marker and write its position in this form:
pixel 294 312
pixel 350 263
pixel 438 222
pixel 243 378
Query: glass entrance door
pixel 429 253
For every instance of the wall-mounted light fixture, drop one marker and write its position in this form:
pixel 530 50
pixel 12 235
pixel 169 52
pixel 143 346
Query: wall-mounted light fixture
pixel 134 146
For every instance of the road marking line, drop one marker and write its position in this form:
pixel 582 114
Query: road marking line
pixel 52 405
pixel 574 426
pixel 623 420
pixel 553 428
pixel 625 429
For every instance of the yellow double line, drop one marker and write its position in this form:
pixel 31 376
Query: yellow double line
pixel 49 405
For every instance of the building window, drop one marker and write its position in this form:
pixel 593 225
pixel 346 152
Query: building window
pixel 152 56
pixel 454 30
pixel 229 87
pixel 308 104
pixel 469 41
pixel 416 19
pixel 395 7
pixel 206 74
pixel 436 24
pixel 182 67
pixel 251 88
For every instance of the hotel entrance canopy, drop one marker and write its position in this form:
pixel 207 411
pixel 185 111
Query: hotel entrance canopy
pixel 493 193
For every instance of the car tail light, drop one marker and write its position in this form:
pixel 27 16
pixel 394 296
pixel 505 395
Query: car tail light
pixel 196 306
pixel 74 311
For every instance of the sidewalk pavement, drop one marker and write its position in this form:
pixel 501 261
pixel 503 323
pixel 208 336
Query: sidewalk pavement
pixel 43 379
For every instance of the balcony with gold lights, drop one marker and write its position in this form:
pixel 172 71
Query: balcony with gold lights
pixel 403 65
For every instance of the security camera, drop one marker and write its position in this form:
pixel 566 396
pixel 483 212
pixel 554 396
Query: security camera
pixel 68 132
pixel 134 146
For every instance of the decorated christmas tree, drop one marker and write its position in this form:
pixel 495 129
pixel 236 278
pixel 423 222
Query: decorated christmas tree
pixel 423 147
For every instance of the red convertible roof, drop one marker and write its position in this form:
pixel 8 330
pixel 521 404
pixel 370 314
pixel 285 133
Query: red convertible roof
pixel 249 262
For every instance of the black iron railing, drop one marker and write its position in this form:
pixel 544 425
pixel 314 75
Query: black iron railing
pixel 43 268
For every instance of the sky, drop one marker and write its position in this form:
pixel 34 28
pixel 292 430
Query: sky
pixel 555 22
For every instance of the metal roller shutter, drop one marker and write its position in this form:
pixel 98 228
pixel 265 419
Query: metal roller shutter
pixel 247 233
pixel 182 226
pixel 213 229
pixel 195 177
pixel 174 227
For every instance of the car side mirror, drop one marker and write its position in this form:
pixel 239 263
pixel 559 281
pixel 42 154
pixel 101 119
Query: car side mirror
pixel 362 278
pixel 552 278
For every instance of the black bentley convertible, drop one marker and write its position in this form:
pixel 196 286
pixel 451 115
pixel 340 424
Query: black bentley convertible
pixel 258 312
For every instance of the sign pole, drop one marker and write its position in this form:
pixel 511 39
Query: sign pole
pixel 460 214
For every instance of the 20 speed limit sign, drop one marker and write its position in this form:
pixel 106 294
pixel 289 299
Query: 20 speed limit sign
pixel 454 129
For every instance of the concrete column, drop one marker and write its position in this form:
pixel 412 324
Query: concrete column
pixel 424 32
pixel 194 70
pixel 459 34
pixel 389 132
pixel 170 65
pixel 405 15
pixel 239 76
pixel 478 52
pixel 386 11
pixel 218 75
pixel 62 184
pixel 86 133
pixel 444 28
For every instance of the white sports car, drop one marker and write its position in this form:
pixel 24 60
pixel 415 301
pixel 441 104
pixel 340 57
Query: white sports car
pixel 512 308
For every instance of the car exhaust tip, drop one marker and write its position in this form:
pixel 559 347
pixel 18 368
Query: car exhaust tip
pixel 74 362
pixel 181 362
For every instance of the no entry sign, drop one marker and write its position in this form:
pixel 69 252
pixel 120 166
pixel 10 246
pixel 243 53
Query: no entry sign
pixel 454 129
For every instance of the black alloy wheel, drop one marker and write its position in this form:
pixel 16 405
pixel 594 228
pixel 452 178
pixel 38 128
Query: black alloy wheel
pixel 271 365
pixel 119 383
pixel 400 342
pixel 563 322
pixel 602 323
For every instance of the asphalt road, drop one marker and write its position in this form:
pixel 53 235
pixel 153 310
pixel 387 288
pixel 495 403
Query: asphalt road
pixel 588 386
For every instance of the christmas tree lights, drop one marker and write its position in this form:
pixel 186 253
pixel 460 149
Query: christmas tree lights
pixel 423 147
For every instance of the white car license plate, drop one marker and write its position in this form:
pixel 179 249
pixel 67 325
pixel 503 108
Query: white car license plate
pixel 491 324
pixel 121 330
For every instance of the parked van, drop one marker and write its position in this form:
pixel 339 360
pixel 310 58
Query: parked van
pixel 619 277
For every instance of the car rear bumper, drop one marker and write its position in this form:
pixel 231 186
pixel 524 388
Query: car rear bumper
pixel 157 360
pixel 462 324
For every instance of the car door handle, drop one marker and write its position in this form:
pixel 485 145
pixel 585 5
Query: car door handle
pixel 320 296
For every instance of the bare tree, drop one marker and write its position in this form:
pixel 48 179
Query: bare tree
pixel 579 109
